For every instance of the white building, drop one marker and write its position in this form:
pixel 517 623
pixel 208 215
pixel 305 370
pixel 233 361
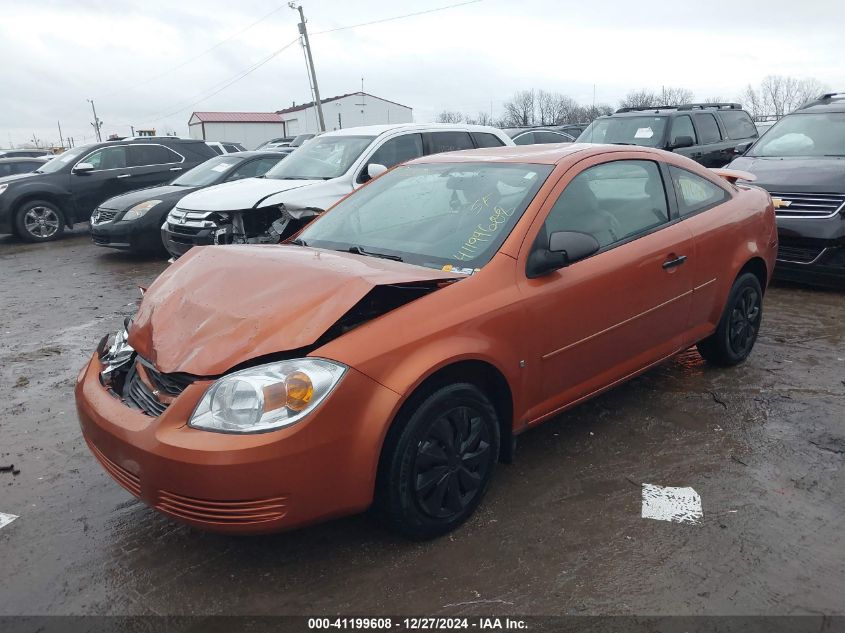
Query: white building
pixel 247 128
pixel 350 110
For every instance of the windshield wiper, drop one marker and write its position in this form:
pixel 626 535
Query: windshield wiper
pixel 360 251
pixel 298 242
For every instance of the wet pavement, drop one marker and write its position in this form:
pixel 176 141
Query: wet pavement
pixel 560 531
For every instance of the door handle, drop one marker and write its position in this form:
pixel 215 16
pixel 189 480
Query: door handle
pixel 124 175
pixel 175 169
pixel 672 263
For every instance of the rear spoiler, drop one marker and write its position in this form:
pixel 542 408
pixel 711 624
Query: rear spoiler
pixel 732 175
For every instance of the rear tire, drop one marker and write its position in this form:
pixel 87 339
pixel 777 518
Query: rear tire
pixel 737 331
pixel 39 221
pixel 438 462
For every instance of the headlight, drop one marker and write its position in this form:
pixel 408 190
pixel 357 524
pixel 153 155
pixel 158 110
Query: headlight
pixel 3 188
pixel 116 352
pixel 139 210
pixel 266 397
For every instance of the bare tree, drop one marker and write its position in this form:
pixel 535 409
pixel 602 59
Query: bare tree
pixel 450 116
pixel 675 96
pixel 482 118
pixel 519 111
pixel 640 99
pixel 778 95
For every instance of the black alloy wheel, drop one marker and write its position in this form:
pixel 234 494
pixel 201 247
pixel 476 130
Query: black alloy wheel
pixel 739 325
pixel 451 463
pixel 438 460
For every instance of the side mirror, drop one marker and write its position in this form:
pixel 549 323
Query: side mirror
pixel 82 168
pixel 683 141
pixel 743 147
pixel 375 170
pixel 565 247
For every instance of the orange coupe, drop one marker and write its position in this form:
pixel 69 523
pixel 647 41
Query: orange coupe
pixel 391 353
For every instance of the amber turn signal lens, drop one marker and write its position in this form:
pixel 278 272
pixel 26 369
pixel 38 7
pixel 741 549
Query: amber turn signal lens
pixel 300 390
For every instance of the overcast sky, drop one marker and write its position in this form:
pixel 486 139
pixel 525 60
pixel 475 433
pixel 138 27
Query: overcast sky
pixel 135 57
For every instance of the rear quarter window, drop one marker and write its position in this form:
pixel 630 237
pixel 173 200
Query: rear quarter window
pixel 738 124
pixel 485 139
pixel 695 193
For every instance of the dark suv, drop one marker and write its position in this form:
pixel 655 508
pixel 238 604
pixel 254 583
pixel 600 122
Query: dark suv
pixel 801 162
pixel 709 133
pixel 38 206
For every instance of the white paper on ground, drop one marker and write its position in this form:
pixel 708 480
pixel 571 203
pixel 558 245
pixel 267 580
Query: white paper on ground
pixel 5 519
pixel 665 503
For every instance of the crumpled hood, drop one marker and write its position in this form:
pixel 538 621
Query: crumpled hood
pixel 219 306
pixel 239 194
pixel 795 173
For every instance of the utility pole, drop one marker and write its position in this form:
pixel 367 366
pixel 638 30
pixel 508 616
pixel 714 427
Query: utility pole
pixel 132 127
pixel 303 33
pixel 61 140
pixel 97 123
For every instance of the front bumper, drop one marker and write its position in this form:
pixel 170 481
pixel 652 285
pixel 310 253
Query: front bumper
pixel 142 234
pixel 178 243
pixel 812 251
pixel 322 467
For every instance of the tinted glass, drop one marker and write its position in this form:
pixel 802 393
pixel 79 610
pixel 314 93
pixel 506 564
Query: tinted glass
pixel 216 149
pixel 398 150
pixel 449 141
pixel 206 173
pixel 6 169
pixel 322 158
pixel 108 158
pixel 682 126
pixel 231 148
pixel 708 129
pixel 694 192
pixel 527 138
pixel 611 202
pixel 820 134
pixel 485 139
pixel 253 168
pixel 147 155
pixel 551 137
pixel 634 130
pixel 64 159
pixel 432 214
pixel 24 167
pixel 738 124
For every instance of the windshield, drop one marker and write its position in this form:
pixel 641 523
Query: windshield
pixel 206 173
pixel 322 158
pixel 435 215
pixel 821 134
pixel 63 160
pixel 633 130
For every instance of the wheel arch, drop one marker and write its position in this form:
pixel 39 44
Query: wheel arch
pixel 46 196
pixel 481 373
pixel 757 267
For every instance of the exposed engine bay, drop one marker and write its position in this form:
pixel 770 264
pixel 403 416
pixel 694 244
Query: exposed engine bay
pixel 267 225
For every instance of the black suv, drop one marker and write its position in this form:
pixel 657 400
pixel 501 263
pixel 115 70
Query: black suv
pixel 709 133
pixel 801 162
pixel 38 206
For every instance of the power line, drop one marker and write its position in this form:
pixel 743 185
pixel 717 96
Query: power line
pixel 225 84
pixel 195 57
pixel 398 17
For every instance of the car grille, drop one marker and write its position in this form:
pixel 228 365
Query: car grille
pixel 181 221
pixel 799 254
pixel 152 396
pixel 222 512
pixel 809 205
pixel 100 216
pixel 122 476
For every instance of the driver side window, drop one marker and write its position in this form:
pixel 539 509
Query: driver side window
pixel 394 151
pixel 612 202
pixel 108 158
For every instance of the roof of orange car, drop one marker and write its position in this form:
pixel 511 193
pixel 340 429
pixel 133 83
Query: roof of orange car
pixel 548 154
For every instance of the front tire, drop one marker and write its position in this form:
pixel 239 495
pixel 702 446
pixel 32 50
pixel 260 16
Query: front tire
pixel 438 461
pixel 39 221
pixel 737 331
